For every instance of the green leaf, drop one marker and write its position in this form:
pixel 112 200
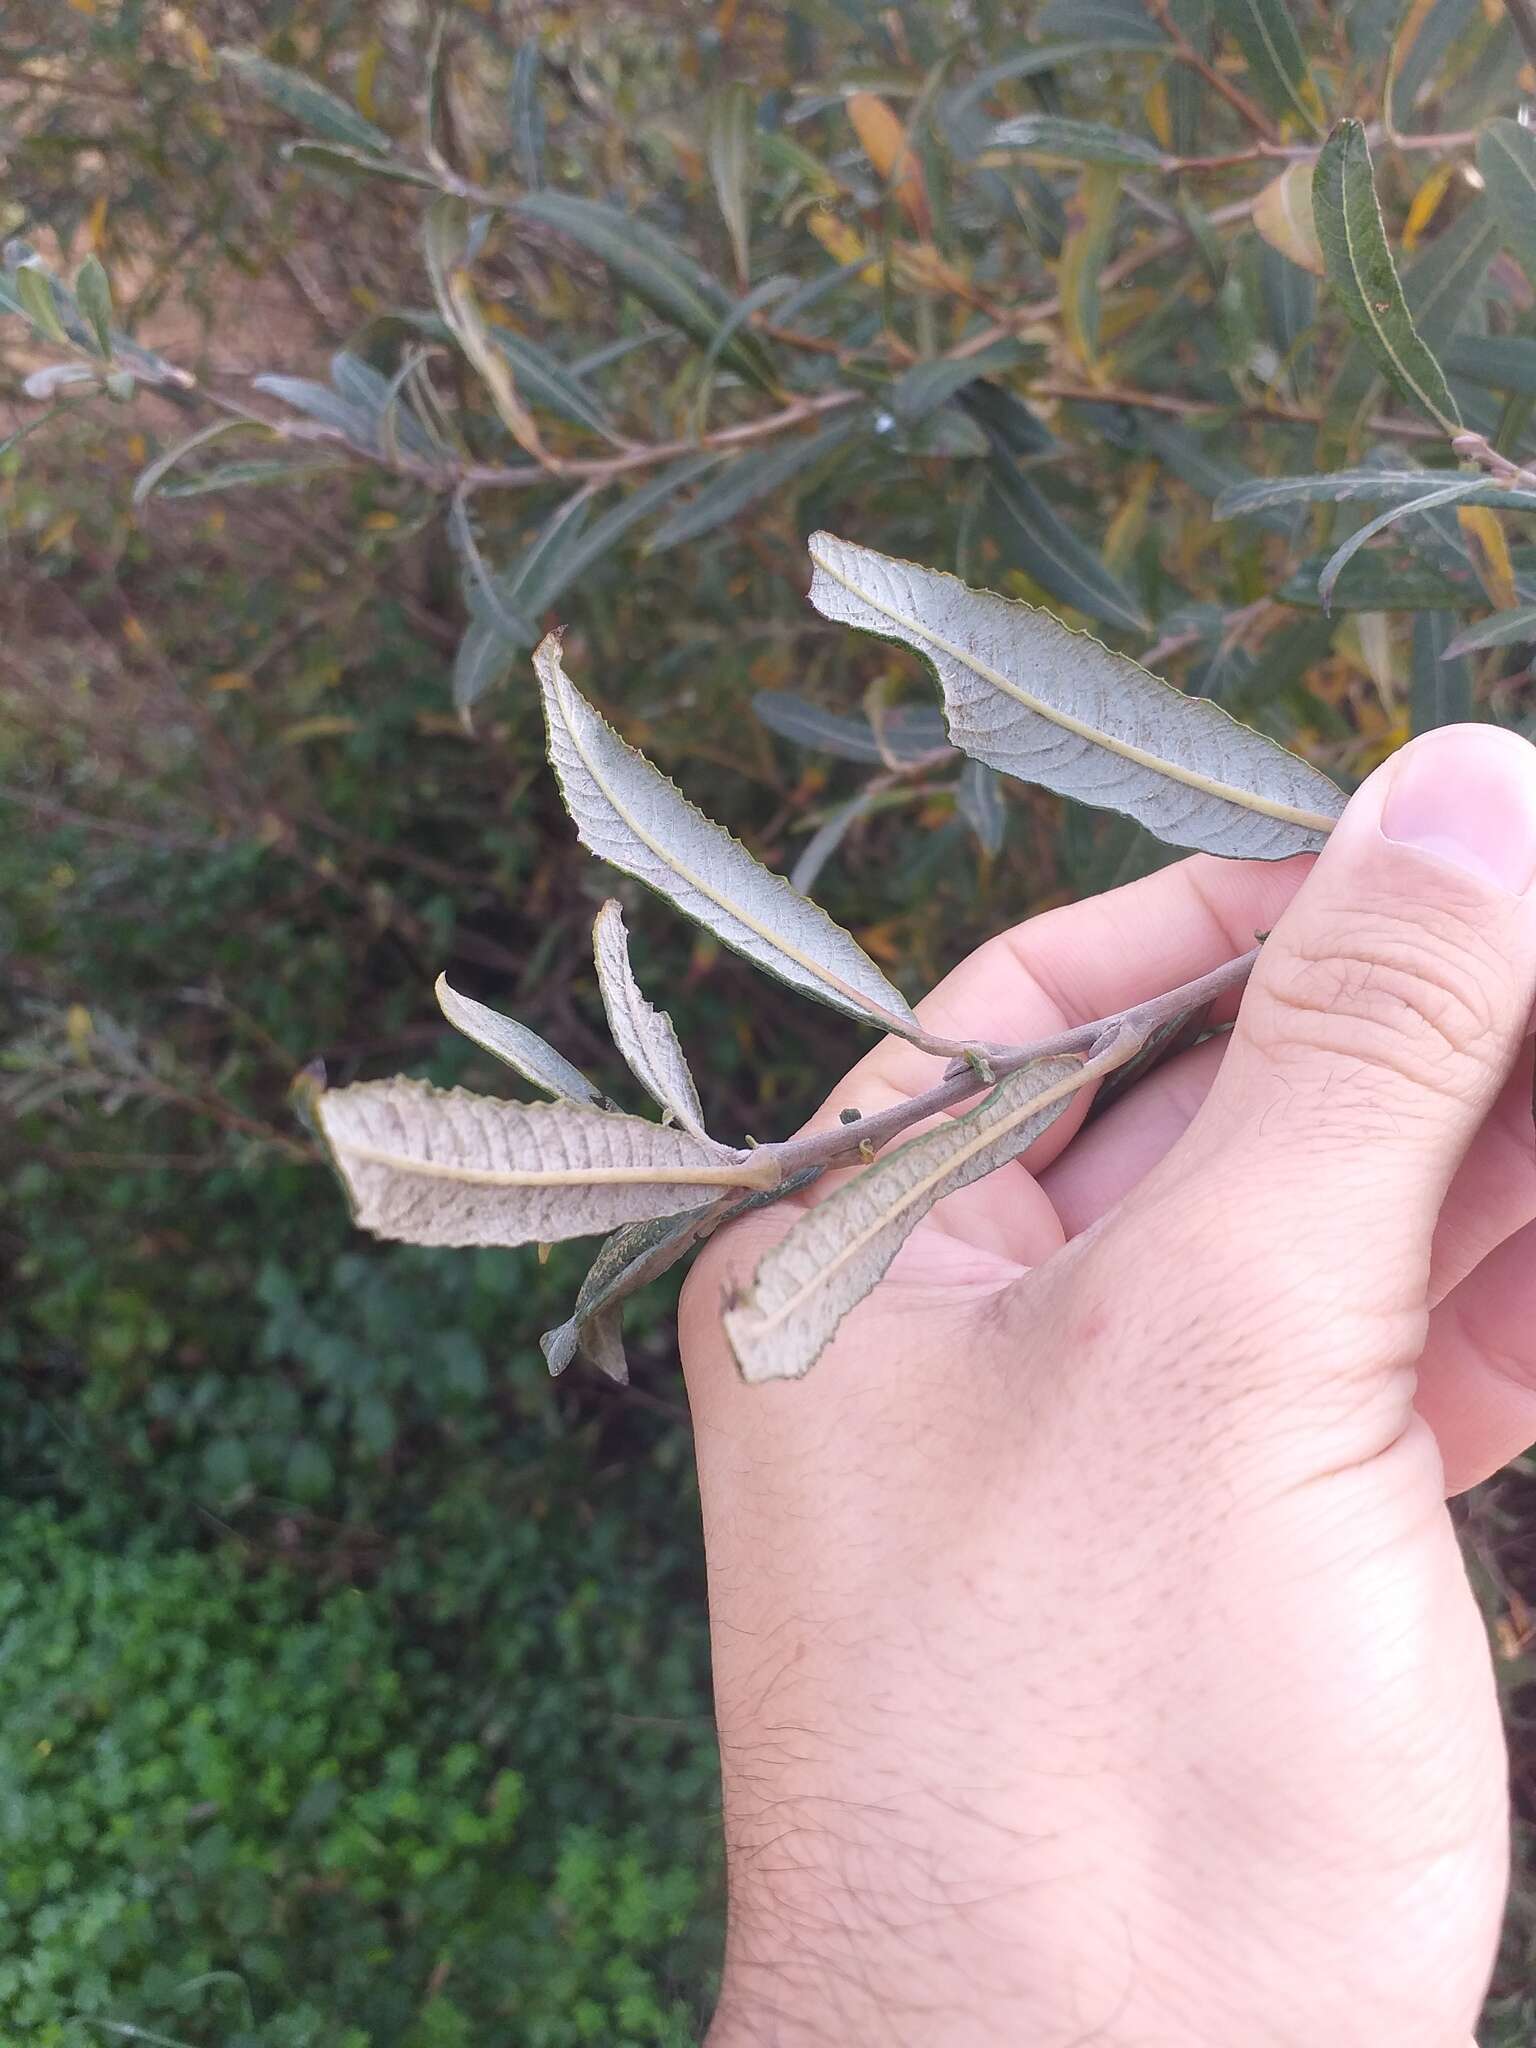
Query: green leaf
pixel 1025 63
pixel 93 295
pixel 232 476
pixel 1441 692
pixel 541 378
pixel 1362 273
pixel 146 482
pixel 1503 362
pixel 1191 457
pixel 1448 494
pixel 34 289
pixel 906 735
pixel 516 631
pixel 1277 66
pixel 628 813
pixel 319 402
pixel 926 386
pixel 1037 701
pixel 541 572
pixel 661 275
pixel 525 114
pixel 586 549
pixel 304 151
pixel 1078 142
pixel 516 1047
pixel 843 1246
pixel 1035 538
pixel 731 125
pixel 1102 24
pixel 373 395
pixel 1502 629
pixel 1506 157
pixel 1374 583
pixel 752 476
pixel 638 1254
pixel 1380 486
pixel 1006 420
pixel 314 106
pixel 979 800
pixel 484 658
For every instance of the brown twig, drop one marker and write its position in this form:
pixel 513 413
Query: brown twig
pixel 1186 53
pixel 1108 1043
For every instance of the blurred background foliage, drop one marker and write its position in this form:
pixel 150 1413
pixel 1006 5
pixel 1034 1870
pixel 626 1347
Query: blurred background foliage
pixel 353 1686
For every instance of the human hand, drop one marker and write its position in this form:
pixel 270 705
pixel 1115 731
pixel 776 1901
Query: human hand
pixel 1093 1656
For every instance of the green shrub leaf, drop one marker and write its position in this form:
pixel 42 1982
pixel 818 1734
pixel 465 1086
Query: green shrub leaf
pixel 1363 275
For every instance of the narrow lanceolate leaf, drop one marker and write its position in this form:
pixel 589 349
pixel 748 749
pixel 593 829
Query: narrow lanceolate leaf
pixel 627 812
pixel 979 800
pixel 634 1256
pixel 627 1261
pixel 1040 702
pixel 1506 157
pixel 655 269
pixel 1504 629
pixel 907 734
pixel 1375 583
pixel 1362 273
pixel 314 106
pixel 1426 502
pixel 93 295
pixel 752 476
pixel 1442 683
pixel 644 1035
pixel 516 1046
pixel 1277 67
pixel 1035 538
pixel 1164 1043
pixel 732 123
pixel 839 1250
pixel 1078 142
pixel 1370 486
pixel 1502 362
pixel 427 1165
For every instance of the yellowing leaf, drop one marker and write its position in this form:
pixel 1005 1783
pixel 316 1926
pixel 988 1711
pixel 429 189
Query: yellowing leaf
pixel 1282 213
pixel 884 140
pixel 1130 520
pixel 842 243
pixel 78 1028
pixel 1490 554
pixel 229 679
pixel 1154 104
pixel 332 725
pixel 1090 220
pixel 1426 201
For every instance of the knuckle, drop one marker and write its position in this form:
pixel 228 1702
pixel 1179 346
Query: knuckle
pixel 1418 993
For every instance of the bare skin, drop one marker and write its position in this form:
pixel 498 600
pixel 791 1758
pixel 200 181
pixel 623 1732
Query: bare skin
pixel 1093 1657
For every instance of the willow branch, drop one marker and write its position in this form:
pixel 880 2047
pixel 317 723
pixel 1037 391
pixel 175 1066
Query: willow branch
pixel 1124 1035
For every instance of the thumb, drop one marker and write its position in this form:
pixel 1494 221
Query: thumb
pixel 1387 1008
